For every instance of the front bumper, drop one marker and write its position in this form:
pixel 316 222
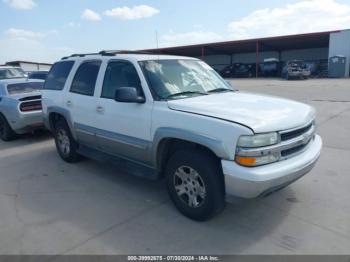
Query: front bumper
pixel 25 122
pixel 253 182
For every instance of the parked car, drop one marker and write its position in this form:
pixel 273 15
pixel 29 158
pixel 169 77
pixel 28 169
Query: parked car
pixel 10 72
pixel 175 117
pixel 313 66
pixel 38 75
pixel 228 71
pixel 295 69
pixel 20 107
pixel 271 67
pixel 245 70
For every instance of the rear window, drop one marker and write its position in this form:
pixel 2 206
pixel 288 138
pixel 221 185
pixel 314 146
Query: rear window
pixel 58 74
pixel 20 88
pixel 41 76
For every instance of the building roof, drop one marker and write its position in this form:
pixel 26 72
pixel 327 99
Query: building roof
pixel 278 43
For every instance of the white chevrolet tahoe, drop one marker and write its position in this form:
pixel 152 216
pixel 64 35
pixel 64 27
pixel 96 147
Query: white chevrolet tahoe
pixel 174 117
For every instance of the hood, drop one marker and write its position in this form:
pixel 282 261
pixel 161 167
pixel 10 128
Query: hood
pixel 261 113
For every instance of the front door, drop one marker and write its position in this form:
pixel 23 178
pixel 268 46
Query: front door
pixel 124 128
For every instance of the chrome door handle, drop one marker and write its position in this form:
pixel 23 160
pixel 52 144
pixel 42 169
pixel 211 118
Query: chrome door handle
pixel 69 103
pixel 100 109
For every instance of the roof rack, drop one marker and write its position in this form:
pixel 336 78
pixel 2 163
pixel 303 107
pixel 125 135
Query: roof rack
pixel 79 55
pixel 115 52
pixel 108 53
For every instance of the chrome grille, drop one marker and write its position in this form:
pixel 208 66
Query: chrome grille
pixel 298 138
pixel 295 133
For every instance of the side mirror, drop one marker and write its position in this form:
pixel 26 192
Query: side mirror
pixel 128 95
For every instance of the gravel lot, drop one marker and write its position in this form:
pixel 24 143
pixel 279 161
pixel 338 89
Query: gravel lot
pixel 50 207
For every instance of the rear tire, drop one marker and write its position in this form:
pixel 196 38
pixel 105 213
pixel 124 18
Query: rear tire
pixel 6 132
pixel 66 146
pixel 195 184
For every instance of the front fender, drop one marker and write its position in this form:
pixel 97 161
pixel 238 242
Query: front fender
pixel 212 143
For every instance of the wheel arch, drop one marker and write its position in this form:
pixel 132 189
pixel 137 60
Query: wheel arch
pixel 56 113
pixel 168 140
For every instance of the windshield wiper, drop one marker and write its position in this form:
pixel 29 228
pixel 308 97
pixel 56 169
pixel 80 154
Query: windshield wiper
pixel 218 90
pixel 186 93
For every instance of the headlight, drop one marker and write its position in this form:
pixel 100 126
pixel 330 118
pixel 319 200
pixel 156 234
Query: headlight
pixel 254 142
pixel 258 140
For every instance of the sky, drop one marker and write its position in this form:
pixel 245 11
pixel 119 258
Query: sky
pixel 46 30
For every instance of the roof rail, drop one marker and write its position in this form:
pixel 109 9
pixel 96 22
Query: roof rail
pixel 115 52
pixel 108 53
pixel 78 55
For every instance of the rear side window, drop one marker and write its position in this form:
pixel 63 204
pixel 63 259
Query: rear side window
pixel 20 88
pixel 58 74
pixel 85 78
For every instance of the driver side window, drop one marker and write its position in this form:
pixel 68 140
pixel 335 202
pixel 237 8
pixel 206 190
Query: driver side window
pixel 120 74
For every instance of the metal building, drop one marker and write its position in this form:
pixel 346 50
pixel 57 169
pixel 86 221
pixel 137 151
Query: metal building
pixel 312 46
pixel 30 66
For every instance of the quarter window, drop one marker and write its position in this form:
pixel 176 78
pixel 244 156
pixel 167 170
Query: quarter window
pixel 85 78
pixel 120 74
pixel 56 79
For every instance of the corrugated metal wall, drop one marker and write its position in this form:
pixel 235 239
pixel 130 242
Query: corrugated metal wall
pixel 340 45
pixel 301 54
pixel 34 67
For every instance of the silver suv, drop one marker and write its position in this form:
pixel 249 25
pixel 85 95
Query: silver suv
pixel 175 118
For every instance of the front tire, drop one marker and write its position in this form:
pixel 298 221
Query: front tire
pixel 65 144
pixel 6 132
pixel 195 184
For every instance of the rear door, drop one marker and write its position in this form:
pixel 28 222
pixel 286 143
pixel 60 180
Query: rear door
pixel 52 93
pixel 81 101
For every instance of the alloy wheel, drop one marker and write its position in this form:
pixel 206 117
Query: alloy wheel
pixel 63 142
pixel 189 186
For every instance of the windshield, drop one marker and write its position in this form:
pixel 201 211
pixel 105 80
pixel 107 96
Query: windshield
pixel 174 79
pixel 28 87
pixel 8 73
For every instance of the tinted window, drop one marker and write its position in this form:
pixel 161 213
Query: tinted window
pixel 120 74
pixel 28 87
pixel 58 74
pixel 41 76
pixel 85 78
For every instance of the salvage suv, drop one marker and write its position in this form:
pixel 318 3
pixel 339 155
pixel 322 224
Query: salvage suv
pixel 166 116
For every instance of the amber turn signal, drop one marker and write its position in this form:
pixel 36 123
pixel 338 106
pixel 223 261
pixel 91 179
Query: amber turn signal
pixel 246 161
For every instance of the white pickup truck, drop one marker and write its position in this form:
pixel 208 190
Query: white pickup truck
pixel 174 117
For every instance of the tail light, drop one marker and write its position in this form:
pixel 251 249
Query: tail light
pixel 31 106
